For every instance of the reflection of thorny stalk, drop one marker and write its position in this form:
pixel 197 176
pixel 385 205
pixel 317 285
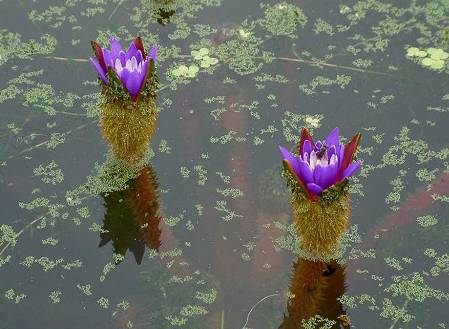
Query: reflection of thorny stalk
pixel 397 319
pixel 43 144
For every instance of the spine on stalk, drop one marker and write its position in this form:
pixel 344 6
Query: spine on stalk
pixel 128 83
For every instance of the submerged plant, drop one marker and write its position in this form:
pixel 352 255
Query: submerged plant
pixel 128 111
pixel 318 177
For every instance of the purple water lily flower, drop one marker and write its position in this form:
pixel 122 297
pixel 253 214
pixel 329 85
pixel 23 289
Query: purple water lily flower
pixel 132 67
pixel 321 165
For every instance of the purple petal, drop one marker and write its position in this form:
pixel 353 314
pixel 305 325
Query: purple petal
pixel 320 175
pixel 122 57
pixel 99 69
pixel 139 57
pixel 331 151
pixel 314 188
pixel 332 138
pixel 331 175
pixel 132 83
pixel 286 155
pixel 351 169
pixel 305 171
pixel 341 155
pixel 116 48
pixel 132 50
pixel 107 57
pixel 318 146
pixel 144 75
pixel 124 76
pixel 306 147
pixel 153 53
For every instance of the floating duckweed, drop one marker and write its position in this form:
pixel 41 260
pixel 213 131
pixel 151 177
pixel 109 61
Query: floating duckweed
pixel 173 220
pixel 207 297
pixel 86 289
pixel 8 235
pixel 103 302
pixel 318 322
pixel 234 193
pixel 426 221
pixel 163 147
pixel 51 174
pixel 414 288
pixel 50 241
pixel 395 313
pixel 227 215
pixel 11 46
pixel 322 26
pixel 55 296
pixel 184 171
pixel 394 263
pixel 341 80
pixel 283 19
pixel 10 294
pixel 202 174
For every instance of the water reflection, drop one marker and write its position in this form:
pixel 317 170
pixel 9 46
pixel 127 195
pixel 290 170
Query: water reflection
pixel 164 11
pixel 132 219
pixel 314 291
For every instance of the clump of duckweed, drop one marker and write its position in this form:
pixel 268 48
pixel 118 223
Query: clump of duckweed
pixel 291 121
pixel 50 174
pixel 318 322
pixel 226 214
pixel 55 296
pixel 283 19
pixel 12 47
pixel 427 220
pixel 8 235
pixel 13 296
pixel 341 80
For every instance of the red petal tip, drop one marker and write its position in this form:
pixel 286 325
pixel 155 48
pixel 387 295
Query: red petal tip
pixel 139 45
pixel 350 149
pixel 99 54
pixel 305 135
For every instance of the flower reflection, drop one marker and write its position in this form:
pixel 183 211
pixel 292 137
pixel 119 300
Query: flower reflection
pixel 164 10
pixel 132 216
pixel 314 291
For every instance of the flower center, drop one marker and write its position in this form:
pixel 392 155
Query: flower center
pixel 131 65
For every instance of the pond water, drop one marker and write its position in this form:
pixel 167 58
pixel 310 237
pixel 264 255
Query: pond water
pixel 219 247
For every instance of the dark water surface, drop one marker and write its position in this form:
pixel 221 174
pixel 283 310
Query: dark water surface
pixel 220 214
